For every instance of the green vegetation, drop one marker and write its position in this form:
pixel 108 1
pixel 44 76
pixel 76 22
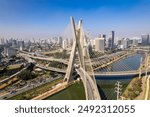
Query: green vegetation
pixel 2 86
pixel 72 92
pixel 62 54
pixel 51 73
pixel 26 75
pixel 16 66
pixel 3 77
pixel 36 91
pixel 57 65
pixel 31 67
pixel 134 89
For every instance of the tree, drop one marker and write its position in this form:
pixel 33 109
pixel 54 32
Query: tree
pixel 30 66
pixel 52 74
pixel 25 75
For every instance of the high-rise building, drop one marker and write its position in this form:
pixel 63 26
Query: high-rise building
pixel 64 44
pixel 130 42
pixel 60 40
pixel 14 43
pixel 135 42
pixel 103 36
pixel 99 44
pixel 89 47
pixel 92 41
pixel 55 39
pixel 119 42
pixel 2 41
pixel 9 52
pixel 145 39
pixel 126 42
pixel 111 40
pixel 21 45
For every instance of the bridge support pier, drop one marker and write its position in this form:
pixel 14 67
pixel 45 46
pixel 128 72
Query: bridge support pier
pixel 79 45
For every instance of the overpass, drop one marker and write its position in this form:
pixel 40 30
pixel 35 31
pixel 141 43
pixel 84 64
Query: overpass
pixel 44 58
pixel 142 48
pixel 115 73
pixel 50 59
pixel 111 59
pixel 89 81
pixel 84 69
pixel 51 69
pixel 89 85
pixel 118 73
pixel 12 76
pixel 97 63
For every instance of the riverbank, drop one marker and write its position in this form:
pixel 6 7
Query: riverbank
pixel 134 90
pixel 73 92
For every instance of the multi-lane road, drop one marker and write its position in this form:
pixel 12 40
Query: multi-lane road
pixel 27 87
pixel 90 86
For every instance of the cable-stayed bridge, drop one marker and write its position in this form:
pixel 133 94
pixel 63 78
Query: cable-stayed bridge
pixel 87 68
pixel 103 64
pixel 80 46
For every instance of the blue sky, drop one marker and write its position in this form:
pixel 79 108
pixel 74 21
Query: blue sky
pixel 42 18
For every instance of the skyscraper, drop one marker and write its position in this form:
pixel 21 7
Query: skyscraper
pixel 111 40
pixel 103 36
pixel 64 44
pixel 126 43
pixel 21 45
pixel 14 43
pixel 145 40
pixel 99 44
pixel 2 41
pixel 60 40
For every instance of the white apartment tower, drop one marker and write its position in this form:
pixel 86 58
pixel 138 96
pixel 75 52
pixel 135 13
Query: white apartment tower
pixel 100 44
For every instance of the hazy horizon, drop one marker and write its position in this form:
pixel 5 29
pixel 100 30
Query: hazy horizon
pixel 45 18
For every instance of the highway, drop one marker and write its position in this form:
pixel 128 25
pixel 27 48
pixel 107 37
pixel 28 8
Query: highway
pixel 51 69
pixel 106 57
pixel 12 76
pixel 91 89
pixel 100 61
pixel 26 88
pixel 117 73
pixel 109 60
pixel 90 86
pixel 44 58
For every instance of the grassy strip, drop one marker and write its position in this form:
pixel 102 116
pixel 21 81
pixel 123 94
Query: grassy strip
pixel 16 66
pixel 2 77
pixel 36 91
pixel 133 89
pixel 73 91
pixel 8 83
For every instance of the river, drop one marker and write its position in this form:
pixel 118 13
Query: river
pixel 106 86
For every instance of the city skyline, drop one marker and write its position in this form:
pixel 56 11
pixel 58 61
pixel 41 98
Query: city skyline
pixel 41 19
pixel 54 69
